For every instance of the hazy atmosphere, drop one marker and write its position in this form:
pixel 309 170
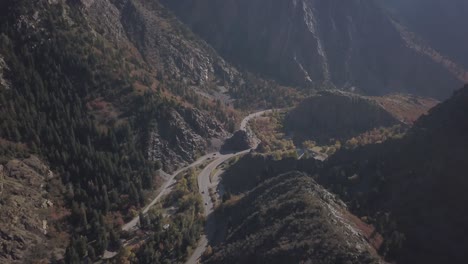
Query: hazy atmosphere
pixel 233 131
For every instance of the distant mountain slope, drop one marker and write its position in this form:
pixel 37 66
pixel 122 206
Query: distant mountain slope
pixel 415 187
pixel 179 59
pixel 441 23
pixel 292 219
pixel 352 44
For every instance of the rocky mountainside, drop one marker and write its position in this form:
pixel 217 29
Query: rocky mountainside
pixel 77 93
pixel 292 219
pixel 161 40
pixel 414 188
pixel 176 56
pixel 180 135
pixel 181 132
pixel 31 212
pixel 354 45
pixel 96 96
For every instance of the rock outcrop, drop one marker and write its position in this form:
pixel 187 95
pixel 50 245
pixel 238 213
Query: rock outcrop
pixel 4 83
pixel 162 41
pixel 181 135
pixel 238 142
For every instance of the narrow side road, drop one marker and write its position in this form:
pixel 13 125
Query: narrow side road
pixel 134 222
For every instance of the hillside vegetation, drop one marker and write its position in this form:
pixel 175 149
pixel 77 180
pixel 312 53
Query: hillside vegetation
pixel 336 116
pixel 290 219
pixel 414 188
pixel 411 189
pixel 88 107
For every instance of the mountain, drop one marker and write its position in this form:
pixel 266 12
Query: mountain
pixel 177 56
pixel 290 218
pixel 415 187
pixel 412 190
pixel 79 95
pixel 354 45
pixel 439 23
pixel 101 100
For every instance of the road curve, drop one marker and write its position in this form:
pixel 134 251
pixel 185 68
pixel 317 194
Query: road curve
pixel 134 222
pixel 245 121
pixel 204 184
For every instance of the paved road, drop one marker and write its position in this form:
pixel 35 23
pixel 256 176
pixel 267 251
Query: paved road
pixel 164 189
pixel 204 184
pixel 246 120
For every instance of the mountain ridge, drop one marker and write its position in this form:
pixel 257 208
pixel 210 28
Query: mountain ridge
pixel 353 45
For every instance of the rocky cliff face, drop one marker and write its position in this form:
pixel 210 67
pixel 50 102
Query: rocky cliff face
pixel 165 48
pixel 181 135
pixel 4 84
pixel 352 44
pixel 162 41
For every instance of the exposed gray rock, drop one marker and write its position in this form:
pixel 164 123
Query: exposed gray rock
pixel 4 83
pixel 181 136
pixel 162 41
pixel 238 142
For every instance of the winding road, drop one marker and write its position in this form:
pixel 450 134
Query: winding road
pixel 204 184
pixel 245 121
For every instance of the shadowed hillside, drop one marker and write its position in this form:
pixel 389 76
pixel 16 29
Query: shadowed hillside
pixel 291 219
pixel 414 188
pixel 336 116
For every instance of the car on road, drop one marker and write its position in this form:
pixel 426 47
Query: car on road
pixel 203 192
pixel 206 203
